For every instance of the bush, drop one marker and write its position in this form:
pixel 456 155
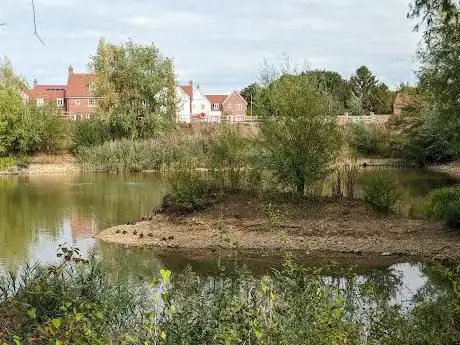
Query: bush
pixel 6 163
pixel 88 133
pixel 368 140
pixel 380 190
pixel 228 156
pixel 443 204
pixel 190 191
pixel 452 215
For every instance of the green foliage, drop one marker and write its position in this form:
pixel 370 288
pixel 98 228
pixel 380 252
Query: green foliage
pixel 136 84
pixel 379 190
pixel 190 191
pixel 129 155
pixel 369 94
pixel 252 94
pixel 92 132
pixel 368 140
pixel 452 214
pixel 6 163
pixel 228 157
pixel 443 204
pixel 434 134
pixel 298 134
pixel 74 302
pixel 337 86
pixel 24 127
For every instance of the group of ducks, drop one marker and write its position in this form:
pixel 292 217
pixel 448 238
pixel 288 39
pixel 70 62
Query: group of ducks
pixel 141 234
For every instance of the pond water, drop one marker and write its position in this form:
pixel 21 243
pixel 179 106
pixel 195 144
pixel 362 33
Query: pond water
pixel 37 213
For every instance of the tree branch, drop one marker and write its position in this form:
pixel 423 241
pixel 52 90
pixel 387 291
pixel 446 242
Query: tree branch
pixel 35 24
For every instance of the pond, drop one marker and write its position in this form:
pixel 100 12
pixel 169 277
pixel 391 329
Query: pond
pixel 37 213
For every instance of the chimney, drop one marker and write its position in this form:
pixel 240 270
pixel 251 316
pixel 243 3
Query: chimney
pixel 190 83
pixel 70 69
pixel 35 83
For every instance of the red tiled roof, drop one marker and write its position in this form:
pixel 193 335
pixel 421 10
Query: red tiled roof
pixel 187 89
pixel 216 99
pixel 78 84
pixel 48 92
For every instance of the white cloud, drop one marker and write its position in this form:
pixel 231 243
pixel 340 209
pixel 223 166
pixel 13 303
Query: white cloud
pixel 218 44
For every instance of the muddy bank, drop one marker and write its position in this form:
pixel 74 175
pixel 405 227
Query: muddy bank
pixel 329 226
pixel 47 164
pixel 452 168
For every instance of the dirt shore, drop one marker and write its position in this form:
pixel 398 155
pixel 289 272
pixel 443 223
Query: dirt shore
pixel 47 164
pixel 330 226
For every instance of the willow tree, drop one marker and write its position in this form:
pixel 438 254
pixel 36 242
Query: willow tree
pixel 136 88
pixel 299 135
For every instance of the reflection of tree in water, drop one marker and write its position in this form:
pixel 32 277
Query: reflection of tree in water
pixel 44 204
pixel 27 207
pixel 114 199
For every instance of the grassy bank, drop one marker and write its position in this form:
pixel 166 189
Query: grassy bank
pixel 77 302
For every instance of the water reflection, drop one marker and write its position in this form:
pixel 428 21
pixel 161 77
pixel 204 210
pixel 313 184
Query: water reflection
pixel 39 212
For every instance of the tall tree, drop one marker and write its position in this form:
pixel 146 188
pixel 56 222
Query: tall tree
pixel 298 130
pixel 252 94
pixel 336 85
pixel 375 96
pixel 434 15
pixel 362 85
pixel 136 86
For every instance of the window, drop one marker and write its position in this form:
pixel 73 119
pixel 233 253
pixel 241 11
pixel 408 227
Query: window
pixel 77 102
pixel 91 87
pixel 91 102
pixel 203 107
pixel 216 106
pixel 239 107
pixel 229 105
pixel 60 102
pixel 40 102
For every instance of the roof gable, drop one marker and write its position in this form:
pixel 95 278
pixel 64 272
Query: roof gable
pixel 48 92
pixel 216 99
pixel 188 90
pixel 78 84
pixel 237 94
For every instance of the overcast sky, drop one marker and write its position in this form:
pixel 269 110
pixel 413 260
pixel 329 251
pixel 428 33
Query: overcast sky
pixel 219 44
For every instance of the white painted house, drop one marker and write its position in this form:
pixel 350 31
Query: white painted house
pixel 184 95
pixel 201 107
pixel 195 106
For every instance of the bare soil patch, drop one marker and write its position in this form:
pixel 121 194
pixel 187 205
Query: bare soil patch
pixel 239 222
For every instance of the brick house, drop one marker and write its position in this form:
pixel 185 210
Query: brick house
pixel 75 99
pixel 402 100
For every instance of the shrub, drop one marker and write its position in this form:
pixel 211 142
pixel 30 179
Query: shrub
pixel 228 156
pixel 444 204
pixel 89 133
pixel 380 190
pixel 6 163
pixel 190 191
pixel 452 215
pixel 368 140
pixel 22 161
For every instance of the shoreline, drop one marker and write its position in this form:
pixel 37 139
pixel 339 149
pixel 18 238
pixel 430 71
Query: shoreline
pixel 341 226
pixel 43 164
